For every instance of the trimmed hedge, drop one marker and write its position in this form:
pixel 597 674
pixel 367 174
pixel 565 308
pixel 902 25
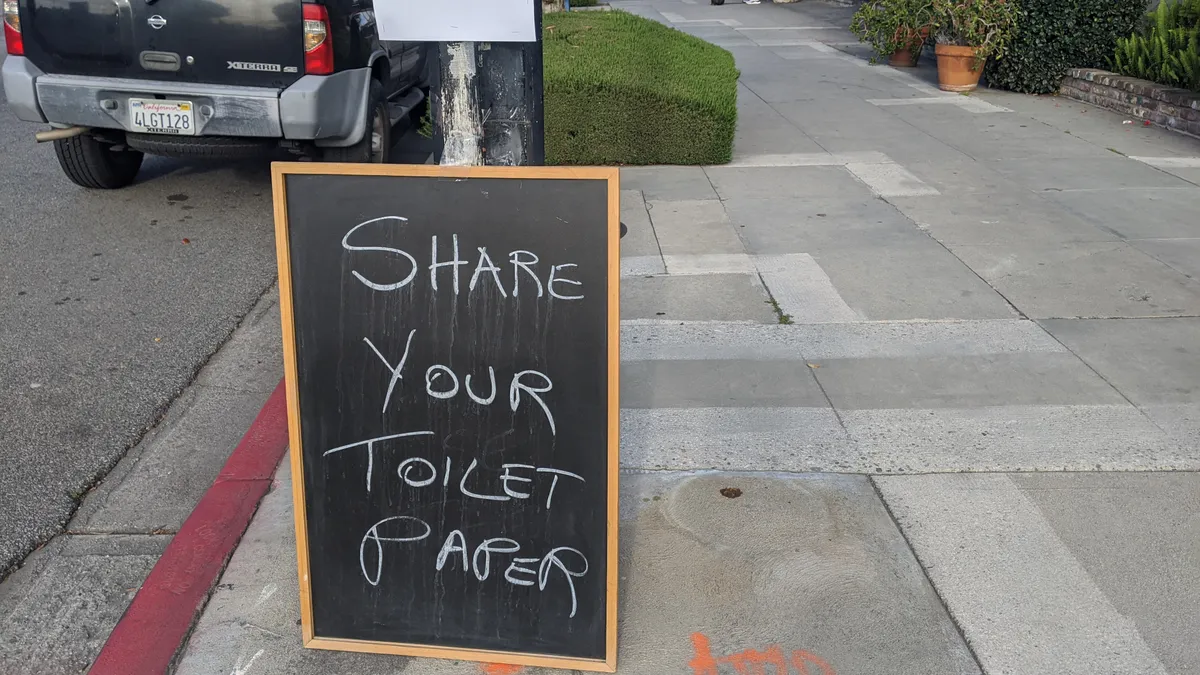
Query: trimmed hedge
pixel 621 89
pixel 1054 35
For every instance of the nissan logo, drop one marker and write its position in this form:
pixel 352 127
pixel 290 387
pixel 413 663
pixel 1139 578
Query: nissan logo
pixel 156 22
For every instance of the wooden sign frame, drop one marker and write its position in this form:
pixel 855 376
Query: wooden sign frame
pixel 279 173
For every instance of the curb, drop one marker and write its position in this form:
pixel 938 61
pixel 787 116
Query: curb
pixel 156 625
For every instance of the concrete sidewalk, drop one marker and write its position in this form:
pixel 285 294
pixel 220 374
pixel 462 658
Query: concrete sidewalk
pixel 996 292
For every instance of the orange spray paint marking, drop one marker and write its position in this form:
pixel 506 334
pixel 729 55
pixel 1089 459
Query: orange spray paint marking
pixel 500 669
pixel 800 657
pixel 754 662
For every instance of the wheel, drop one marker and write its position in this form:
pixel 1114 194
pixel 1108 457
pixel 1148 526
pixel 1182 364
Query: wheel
pixel 376 144
pixel 717 2
pixel 92 164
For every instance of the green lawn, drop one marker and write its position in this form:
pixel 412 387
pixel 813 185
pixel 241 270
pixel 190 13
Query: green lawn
pixel 621 89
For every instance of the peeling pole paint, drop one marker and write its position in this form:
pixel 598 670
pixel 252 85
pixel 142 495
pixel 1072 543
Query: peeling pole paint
pixel 458 114
pixel 488 108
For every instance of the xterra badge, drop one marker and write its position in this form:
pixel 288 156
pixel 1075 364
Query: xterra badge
pixel 262 67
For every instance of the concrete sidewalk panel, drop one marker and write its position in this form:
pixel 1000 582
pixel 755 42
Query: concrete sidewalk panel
pixel 1083 280
pixel 918 280
pixel 252 359
pixel 963 177
pixel 997 137
pixel 668 182
pixel 963 382
pixel 1150 361
pixel 1182 255
pixel 1138 214
pixel 843 117
pixel 1013 438
pixel 817 342
pixel 1138 537
pixel 1024 602
pixel 802 291
pixel 786 181
pixel 639 240
pixel 710 297
pixel 155 488
pixel 1181 421
pixel 57 610
pixel 718 384
pixel 761 130
pixel 694 226
pixel 1190 174
pixel 1096 125
pixel 805 571
pixel 800 225
pixel 891 180
pixel 1053 174
pixel 1017 217
pixel 913 146
pixel 736 439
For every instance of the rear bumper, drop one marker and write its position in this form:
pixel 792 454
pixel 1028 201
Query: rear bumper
pixel 330 110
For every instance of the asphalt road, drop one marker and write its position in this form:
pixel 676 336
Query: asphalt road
pixel 109 304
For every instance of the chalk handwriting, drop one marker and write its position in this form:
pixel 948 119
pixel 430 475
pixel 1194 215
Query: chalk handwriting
pixel 419 472
pixel 372 536
pixel 396 376
pixel 443 383
pixel 519 265
pixel 570 563
pixel 434 265
pixel 554 277
pixel 486 559
pixel 369 444
pixel 381 249
pixel 480 268
pixel 522 262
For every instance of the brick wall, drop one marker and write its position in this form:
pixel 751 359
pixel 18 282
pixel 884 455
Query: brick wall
pixel 1177 109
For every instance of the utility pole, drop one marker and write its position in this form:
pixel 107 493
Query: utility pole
pixel 488 105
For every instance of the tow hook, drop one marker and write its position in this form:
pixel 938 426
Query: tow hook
pixel 59 134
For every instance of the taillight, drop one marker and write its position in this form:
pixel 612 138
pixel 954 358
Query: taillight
pixel 318 48
pixel 12 29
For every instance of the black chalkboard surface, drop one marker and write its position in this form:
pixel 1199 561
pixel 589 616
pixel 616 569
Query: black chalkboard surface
pixel 450 339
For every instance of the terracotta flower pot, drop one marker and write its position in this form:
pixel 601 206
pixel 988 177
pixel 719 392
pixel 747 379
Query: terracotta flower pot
pixel 904 58
pixel 907 57
pixel 958 69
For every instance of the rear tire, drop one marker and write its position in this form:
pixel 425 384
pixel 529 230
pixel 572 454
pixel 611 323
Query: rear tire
pixel 95 165
pixel 375 147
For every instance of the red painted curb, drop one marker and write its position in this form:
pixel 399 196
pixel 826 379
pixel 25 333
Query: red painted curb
pixel 153 629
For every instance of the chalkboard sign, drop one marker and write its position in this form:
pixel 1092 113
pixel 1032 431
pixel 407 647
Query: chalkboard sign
pixel 451 353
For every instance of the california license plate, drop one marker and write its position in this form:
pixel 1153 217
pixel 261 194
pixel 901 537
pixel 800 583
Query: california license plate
pixel 151 116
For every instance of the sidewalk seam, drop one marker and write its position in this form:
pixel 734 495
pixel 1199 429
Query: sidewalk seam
pixel 920 563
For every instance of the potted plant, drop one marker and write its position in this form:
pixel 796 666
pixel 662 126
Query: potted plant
pixel 969 32
pixel 895 28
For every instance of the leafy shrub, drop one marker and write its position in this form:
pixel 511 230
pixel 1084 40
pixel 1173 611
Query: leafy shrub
pixel 621 89
pixel 986 25
pixel 893 25
pixel 1054 35
pixel 1167 50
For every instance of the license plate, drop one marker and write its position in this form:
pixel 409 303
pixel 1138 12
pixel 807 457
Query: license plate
pixel 151 116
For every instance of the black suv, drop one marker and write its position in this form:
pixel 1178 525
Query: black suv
pixel 206 78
